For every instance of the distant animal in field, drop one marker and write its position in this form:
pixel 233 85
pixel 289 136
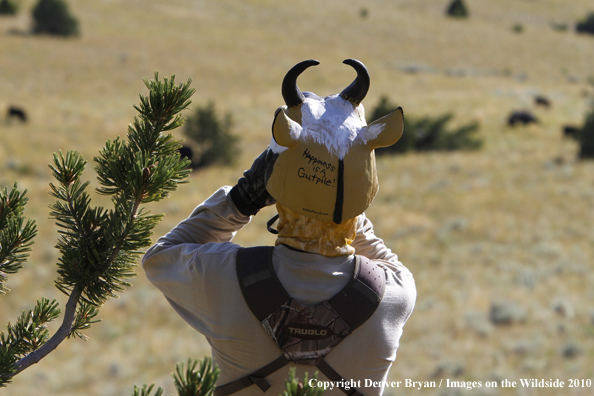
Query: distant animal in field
pixel 521 117
pixel 571 131
pixel 542 101
pixel 186 152
pixel 16 112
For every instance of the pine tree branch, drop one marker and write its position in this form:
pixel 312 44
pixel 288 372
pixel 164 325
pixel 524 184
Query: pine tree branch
pixel 99 248
pixel 60 335
pixel 16 235
pixel 85 317
pixel 124 236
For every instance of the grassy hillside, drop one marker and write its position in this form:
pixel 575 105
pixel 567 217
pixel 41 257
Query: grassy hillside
pixel 506 228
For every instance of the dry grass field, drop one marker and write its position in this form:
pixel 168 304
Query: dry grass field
pixel 507 229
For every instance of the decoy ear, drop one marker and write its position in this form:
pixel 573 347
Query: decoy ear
pixel 393 127
pixel 285 131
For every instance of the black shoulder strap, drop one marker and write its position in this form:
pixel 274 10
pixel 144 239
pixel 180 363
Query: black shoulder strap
pixel 257 378
pixel 361 297
pixel 259 285
pixel 333 376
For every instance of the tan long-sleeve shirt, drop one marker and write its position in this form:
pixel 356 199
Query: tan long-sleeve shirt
pixel 194 267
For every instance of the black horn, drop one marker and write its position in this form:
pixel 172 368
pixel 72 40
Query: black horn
pixel 355 93
pixel 291 93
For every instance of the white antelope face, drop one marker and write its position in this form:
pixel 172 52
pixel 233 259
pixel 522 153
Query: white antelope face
pixel 325 165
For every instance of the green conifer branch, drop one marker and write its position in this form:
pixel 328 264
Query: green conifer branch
pixel 16 234
pixel 28 334
pixel 84 318
pixel 98 247
pixel 190 381
pixel 146 390
pixel 293 387
pixel 46 348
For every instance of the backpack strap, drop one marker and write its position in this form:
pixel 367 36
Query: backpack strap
pixel 355 304
pixel 362 295
pixel 257 377
pixel 263 294
pixel 261 289
pixel 333 376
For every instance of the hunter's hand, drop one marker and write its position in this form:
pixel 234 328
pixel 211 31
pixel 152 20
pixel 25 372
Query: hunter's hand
pixel 249 194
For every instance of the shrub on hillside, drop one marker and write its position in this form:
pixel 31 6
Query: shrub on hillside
pixel 212 137
pixel 518 28
pixel 8 7
pixel 559 26
pixel 586 137
pixel 587 25
pixel 54 17
pixel 428 133
pixel 457 9
pixel 431 133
